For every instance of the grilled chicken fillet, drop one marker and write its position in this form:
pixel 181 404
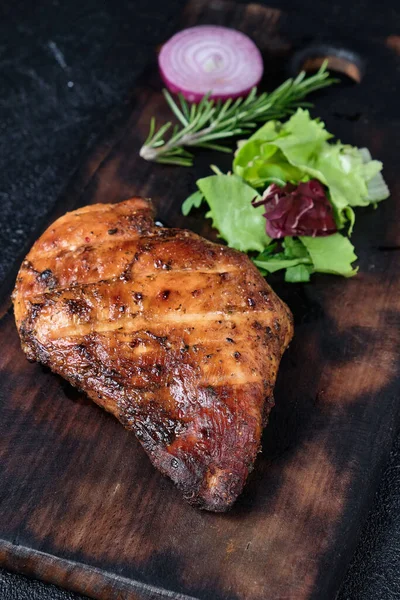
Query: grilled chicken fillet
pixel 178 337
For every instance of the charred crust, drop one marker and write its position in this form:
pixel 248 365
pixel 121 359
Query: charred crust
pixel 224 276
pixel 26 334
pixel 268 406
pixel 151 423
pixel 33 349
pixel 35 309
pixel 160 264
pixel 157 370
pixel 277 325
pixel 84 351
pixel 211 390
pixel 265 295
pixel 161 339
pixel 47 278
pixel 78 307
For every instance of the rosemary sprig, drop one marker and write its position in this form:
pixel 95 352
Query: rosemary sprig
pixel 205 124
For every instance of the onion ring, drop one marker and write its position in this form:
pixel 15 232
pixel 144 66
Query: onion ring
pixel 210 58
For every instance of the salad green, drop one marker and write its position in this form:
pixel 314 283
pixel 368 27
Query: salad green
pixel 296 151
pixel 229 199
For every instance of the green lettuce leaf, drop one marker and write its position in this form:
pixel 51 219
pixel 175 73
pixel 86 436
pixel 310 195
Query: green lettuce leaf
pixel 331 254
pixel 240 224
pixel 294 258
pixel 298 274
pixel 305 255
pixel 279 261
pixel 193 201
pixel 294 248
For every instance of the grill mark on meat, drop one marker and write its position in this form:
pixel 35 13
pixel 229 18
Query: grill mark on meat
pixel 130 326
pixel 146 241
pixel 125 276
pixel 79 308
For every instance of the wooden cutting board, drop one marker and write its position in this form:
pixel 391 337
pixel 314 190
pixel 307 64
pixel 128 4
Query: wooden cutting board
pixel 80 503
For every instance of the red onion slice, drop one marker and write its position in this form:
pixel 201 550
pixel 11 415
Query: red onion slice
pixel 208 58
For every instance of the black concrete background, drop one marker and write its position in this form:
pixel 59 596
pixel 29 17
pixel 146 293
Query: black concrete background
pixel 64 65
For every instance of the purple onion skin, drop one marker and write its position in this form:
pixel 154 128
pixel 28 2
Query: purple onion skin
pixel 195 98
pixel 295 210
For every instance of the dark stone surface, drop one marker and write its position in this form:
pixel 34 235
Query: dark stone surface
pixel 63 67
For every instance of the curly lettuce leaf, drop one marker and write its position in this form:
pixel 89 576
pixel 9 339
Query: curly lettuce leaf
pixel 263 164
pixel 240 224
pixel 286 147
pixel 298 150
pixel 376 185
pixel 346 174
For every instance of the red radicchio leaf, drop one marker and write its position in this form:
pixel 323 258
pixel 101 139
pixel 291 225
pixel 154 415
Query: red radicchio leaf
pixel 294 210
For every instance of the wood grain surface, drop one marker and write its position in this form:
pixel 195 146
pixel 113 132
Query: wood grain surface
pixel 80 503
